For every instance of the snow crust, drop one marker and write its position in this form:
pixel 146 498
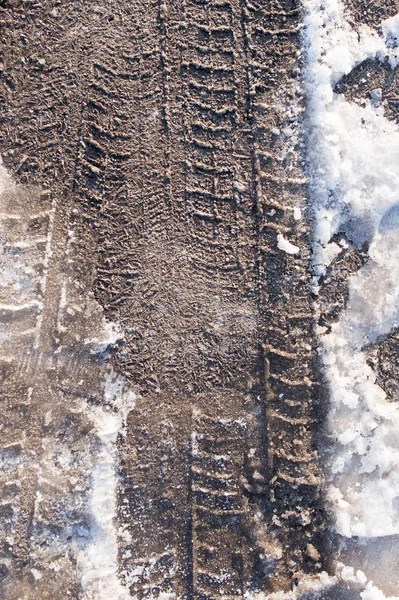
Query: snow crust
pixel 353 153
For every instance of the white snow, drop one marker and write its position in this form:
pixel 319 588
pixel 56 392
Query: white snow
pixel 390 30
pixel 297 213
pixel 353 156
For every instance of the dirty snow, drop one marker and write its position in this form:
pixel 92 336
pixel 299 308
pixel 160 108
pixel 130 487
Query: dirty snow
pixel 313 587
pixel 20 280
pixel 353 153
pixel 97 561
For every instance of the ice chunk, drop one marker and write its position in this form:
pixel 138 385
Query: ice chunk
pixel 285 245
pixel 376 94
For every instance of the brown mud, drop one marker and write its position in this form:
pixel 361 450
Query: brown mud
pixel 165 135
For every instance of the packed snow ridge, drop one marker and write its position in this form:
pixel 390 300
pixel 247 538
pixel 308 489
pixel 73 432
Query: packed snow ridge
pixel 353 154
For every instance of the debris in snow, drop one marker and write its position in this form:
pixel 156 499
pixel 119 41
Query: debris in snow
pixel 285 245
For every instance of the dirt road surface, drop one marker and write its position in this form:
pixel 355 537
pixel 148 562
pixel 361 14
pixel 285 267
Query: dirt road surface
pixel 158 162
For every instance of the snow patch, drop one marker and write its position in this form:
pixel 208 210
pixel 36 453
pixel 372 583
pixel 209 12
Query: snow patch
pixel 80 481
pixel 353 156
pixel 310 587
pixel 97 561
pixel 390 30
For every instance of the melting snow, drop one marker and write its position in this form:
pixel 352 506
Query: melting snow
pixel 353 156
pixel 96 549
pixel 97 561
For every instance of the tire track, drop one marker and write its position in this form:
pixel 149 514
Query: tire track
pixel 170 148
pixel 283 284
pixel 52 354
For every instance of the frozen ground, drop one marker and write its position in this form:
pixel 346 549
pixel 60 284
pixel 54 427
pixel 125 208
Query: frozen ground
pixel 66 461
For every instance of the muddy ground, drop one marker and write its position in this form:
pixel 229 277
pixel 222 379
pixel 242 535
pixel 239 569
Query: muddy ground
pixel 160 143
